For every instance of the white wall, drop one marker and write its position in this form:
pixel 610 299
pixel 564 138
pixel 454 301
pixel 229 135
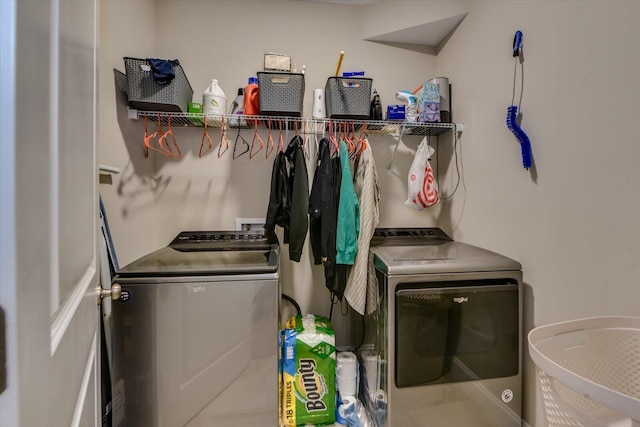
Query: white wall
pixel 571 221
pixel 127 28
pixel 155 198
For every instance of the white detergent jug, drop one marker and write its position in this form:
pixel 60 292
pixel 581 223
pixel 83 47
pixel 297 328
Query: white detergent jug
pixel 214 101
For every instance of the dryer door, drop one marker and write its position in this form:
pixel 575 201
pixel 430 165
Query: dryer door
pixel 457 331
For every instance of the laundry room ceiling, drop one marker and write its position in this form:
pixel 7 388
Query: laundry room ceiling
pixel 429 25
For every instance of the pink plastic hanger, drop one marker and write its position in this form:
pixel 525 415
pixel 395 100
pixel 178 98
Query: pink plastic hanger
pixel 255 135
pixel 163 139
pixel 223 139
pixel 333 140
pixel 160 148
pixel 270 143
pixel 205 138
pixel 280 138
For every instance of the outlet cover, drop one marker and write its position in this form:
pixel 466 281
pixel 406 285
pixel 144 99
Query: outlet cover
pixel 250 224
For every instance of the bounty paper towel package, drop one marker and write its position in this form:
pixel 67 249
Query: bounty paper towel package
pixel 308 372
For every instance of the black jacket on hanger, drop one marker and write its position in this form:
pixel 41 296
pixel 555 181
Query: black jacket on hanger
pixel 289 198
pixel 323 211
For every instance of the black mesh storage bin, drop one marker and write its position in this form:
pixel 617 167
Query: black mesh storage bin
pixel 281 94
pixel 145 94
pixel 348 97
pixel 121 80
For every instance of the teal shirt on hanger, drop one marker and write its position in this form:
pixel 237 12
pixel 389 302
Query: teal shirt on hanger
pixel 348 213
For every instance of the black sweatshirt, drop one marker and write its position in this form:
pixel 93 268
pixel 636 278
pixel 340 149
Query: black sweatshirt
pixel 323 210
pixel 289 198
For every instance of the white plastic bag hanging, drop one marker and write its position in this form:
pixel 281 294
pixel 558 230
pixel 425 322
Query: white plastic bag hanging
pixel 422 188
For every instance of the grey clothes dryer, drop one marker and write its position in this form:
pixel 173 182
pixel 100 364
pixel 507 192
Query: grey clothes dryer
pixel 448 331
pixel 195 334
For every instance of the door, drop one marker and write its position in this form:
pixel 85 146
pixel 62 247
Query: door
pixel 196 351
pixel 456 331
pixel 453 348
pixel 48 212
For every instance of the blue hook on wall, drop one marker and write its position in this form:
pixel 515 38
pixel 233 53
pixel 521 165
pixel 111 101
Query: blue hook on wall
pixel 512 110
pixel 517 43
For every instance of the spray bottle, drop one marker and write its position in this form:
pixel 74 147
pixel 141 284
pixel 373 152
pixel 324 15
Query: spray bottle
pixel 412 106
pixel 375 112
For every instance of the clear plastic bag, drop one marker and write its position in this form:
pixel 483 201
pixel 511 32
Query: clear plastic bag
pixel 422 188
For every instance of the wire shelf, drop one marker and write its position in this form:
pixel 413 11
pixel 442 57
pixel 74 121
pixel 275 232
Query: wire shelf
pixel 303 124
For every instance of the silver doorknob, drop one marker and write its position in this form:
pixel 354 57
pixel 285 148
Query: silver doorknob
pixel 113 293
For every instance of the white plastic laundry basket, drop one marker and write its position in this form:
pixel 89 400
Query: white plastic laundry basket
pixel 589 371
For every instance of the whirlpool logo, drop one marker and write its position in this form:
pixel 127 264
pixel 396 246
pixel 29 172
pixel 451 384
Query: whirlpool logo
pixel 460 300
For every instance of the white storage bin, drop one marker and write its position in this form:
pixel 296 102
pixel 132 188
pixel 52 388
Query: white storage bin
pixel 589 371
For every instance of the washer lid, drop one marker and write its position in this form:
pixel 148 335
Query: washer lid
pixel 209 253
pixel 171 262
pixel 438 257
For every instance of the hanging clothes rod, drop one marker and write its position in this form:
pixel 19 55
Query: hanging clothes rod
pixel 306 125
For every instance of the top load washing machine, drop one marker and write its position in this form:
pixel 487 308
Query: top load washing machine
pixel 448 332
pixel 195 334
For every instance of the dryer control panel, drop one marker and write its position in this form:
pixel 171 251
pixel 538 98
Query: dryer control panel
pixel 219 240
pixel 394 235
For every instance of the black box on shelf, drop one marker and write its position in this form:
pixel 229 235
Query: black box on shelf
pixel 146 94
pixel 281 94
pixel 348 97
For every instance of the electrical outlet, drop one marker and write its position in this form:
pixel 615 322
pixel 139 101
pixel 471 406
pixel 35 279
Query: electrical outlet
pixel 250 224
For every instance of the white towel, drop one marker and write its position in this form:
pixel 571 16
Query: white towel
pixel 360 292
